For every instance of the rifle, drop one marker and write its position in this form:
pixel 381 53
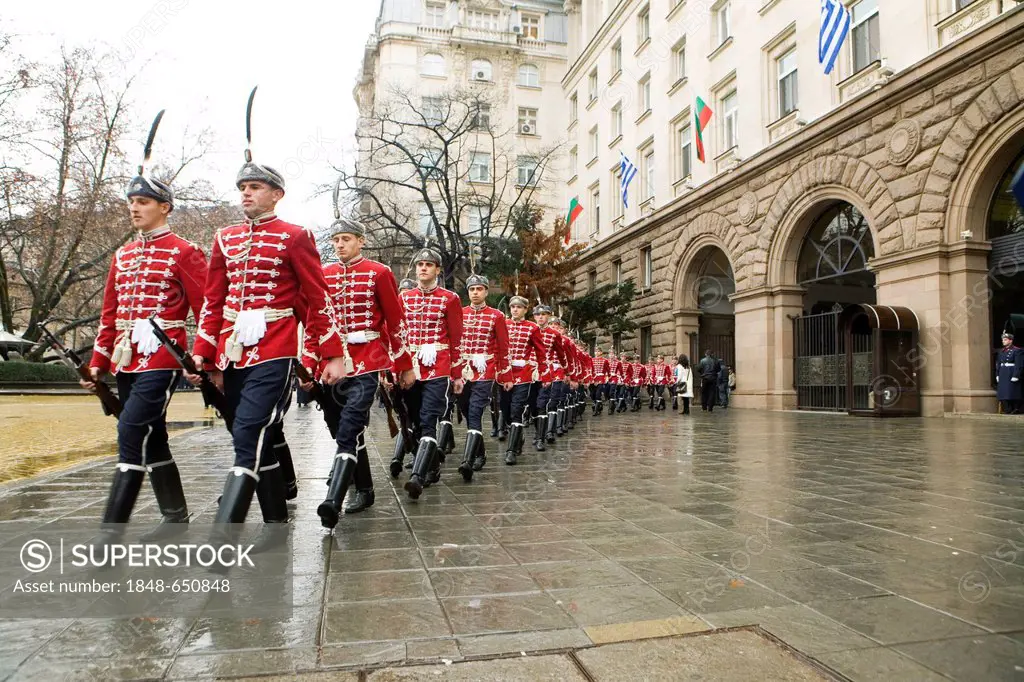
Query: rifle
pixel 212 396
pixel 332 413
pixel 389 407
pixel 398 403
pixel 110 402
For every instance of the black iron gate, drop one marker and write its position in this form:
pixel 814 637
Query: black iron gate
pixel 819 364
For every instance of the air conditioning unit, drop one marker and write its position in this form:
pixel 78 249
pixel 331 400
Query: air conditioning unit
pixel 526 129
pixel 480 76
pixel 517 29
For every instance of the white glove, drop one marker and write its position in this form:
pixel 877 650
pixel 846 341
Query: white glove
pixel 1015 379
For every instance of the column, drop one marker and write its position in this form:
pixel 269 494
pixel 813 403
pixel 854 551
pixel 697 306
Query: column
pixel 687 323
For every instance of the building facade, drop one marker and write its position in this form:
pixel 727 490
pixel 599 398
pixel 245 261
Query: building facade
pixel 884 182
pixel 506 57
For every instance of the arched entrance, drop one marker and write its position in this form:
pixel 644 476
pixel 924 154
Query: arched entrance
pixel 713 283
pixel 832 270
pixel 1005 229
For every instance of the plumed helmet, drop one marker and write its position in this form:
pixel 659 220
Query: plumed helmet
pixel 141 186
pixel 348 226
pixel 428 255
pixel 519 300
pixel 477 281
pixel 1008 335
pixel 406 284
pixel 250 172
pixel 542 309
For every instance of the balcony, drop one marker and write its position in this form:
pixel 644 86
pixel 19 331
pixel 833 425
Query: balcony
pixel 786 125
pixel 727 160
pixel 875 75
pixel 972 16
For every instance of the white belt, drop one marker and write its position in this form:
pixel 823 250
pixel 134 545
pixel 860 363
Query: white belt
pixel 361 337
pixel 125 325
pixel 519 363
pixel 249 327
pixel 1009 364
pixel 141 335
pixel 555 365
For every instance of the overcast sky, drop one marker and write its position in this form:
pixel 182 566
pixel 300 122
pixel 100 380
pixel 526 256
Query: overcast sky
pixel 203 59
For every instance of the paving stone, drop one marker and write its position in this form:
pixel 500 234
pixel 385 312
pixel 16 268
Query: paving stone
pixel 521 669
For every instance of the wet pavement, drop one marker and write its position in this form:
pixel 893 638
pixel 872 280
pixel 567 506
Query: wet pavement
pixel 880 549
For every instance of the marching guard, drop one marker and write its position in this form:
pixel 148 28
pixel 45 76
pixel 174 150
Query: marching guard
pixel 599 381
pixel 527 355
pixel 158 274
pixel 614 379
pixel 434 318
pixel 548 422
pixel 371 319
pixel 485 353
pixel 261 271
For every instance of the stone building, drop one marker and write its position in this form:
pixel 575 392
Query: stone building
pixel 882 184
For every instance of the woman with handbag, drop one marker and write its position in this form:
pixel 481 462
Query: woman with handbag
pixel 684 382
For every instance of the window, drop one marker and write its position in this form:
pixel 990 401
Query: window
pixel 643 26
pixel 427 224
pixel 574 108
pixel 617 271
pixel 529 76
pixel 480 167
pixel 960 4
pixel 574 160
pixel 527 171
pixel 646 343
pixel 617 120
pixel 723 23
pixel 616 57
pixel 479 220
pixel 679 61
pixel 432 64
pixel 617 343
pixel 592 86
pixel 527 121
pixel 787 83
pixel 645 93
pixel 430 162
pixel 433 16
pixel 593 143
pixel 484 20
pixel 866 42
pixel 433 110
pixel 480 70
pixel 482 117
pixel 647 164
pixel 730 121
pixel 531 26
pixel 684 149
pixel 647 267
pixel 595 211
pixel 591 280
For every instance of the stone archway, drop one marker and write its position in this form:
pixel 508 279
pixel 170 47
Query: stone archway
pixel 706 287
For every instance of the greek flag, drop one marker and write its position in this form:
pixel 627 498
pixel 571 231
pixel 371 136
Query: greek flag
pixel 627 171
pixel 835 24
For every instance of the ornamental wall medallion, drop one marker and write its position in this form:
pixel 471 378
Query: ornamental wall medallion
pixel 904 141
pixel 747 208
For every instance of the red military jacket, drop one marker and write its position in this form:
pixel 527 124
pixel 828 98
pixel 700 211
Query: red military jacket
pixel 434 319
pixel 583 365
pixel 526 351
pixel 639 373
pixel 370 317
pixel 588 367
pixel 651 375
pixel 663 374
pixel 263 268
pixel 627 373
pixel 554 353
pixel 484 344
pixel 158 274
pixel 614 370
pixel 601 370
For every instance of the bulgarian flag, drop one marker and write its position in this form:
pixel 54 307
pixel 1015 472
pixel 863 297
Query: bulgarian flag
pixel 702 116
pixel 574 212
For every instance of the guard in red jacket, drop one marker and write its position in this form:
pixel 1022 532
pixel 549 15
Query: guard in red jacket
pixel 372 322
pixel 434 318
pixel 485 352
pixel 157 274
pixel 528 356
pixel 547 424
pixel 260 272
pixel 615 387
pixel 567 405
pixel 599 386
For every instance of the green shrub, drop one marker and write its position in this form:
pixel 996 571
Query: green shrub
pixel 19 371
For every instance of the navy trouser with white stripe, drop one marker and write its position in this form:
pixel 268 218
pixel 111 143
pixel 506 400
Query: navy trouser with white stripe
pixel 142 426
pixel 428 402
pixel 355 397
pixel 474 399
pixel 260 395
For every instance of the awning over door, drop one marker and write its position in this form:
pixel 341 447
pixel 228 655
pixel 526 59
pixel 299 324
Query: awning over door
pixel 885 317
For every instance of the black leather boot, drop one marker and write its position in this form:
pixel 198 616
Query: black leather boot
pixel 170 497
pixel 560 424
pixel 474 439
pixel 232 509
pixel 445 437
pixel 541 427
pixel 421 466
pixel 124 491
pixel 284 457
pixel 398 458
pixel 502 427
pixel 494 424
pixel 357 500
pixel 515 444
pixel 344 470
pixel 552 426
pixel 480 456
pixel 271 491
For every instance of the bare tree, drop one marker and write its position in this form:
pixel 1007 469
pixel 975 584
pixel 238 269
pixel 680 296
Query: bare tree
pixel 446 154
pixel 60 227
